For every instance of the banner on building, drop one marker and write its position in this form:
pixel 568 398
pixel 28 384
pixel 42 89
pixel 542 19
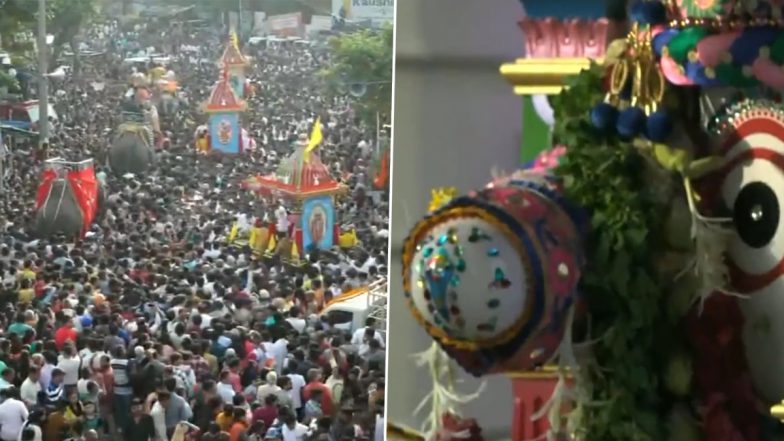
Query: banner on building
pixel 286 25
pixel 359 10
pixel 320 23
pixel 258 22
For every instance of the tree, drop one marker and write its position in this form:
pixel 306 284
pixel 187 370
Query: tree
pixel 364 58
pixel 17 18
pixel 65 20
pixel 8 82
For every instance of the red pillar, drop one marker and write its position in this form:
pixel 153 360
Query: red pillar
pixel 531 391
pixel 298 240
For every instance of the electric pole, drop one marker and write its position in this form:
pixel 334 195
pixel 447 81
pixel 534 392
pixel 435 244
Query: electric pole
pixel 239 19
pixel 43 81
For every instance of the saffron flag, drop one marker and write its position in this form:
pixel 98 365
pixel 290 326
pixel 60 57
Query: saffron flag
pixel 315 138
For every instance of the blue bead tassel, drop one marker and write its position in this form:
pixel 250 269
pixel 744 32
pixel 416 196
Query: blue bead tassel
pixel 631 123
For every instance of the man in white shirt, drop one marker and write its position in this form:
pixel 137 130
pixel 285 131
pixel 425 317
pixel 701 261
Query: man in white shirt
pixel 296 322
pixel 279 350
pixel 282 218
pixel 13 414
pixel 30 388
pixel 158 414
pixel 291 430
pixel 70 364
pixel 225 388
pixel 297 383
pixel 358 338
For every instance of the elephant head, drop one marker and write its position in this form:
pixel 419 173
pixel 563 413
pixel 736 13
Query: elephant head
pixel 131 152
pixel 60 212
pixel 68 199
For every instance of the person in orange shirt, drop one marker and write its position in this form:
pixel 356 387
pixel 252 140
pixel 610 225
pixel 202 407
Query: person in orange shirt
pixel 240 425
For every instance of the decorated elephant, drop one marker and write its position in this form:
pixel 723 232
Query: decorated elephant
pixel 68 200
pixel 132 150
pixel 640 256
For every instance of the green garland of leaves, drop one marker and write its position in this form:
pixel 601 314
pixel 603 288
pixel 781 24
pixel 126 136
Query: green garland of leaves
pixel 625 298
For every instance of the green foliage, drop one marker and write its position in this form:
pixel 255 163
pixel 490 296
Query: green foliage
pixel 611 178
pixel 16 16
pixel 364 57
pixel 65 19
pixel 210 8
pixel 9 82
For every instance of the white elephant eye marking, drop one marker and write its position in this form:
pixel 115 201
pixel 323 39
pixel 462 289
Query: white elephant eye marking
pixel 753 187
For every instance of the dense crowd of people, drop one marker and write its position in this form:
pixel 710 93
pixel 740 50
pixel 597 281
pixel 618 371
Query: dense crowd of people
pixel 152 326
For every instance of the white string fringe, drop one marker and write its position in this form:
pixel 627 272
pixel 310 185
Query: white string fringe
pixel 553 408
pixel 443 398
pixel 711 237
pixel 578 393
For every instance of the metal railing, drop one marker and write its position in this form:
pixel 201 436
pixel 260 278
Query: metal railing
pixel 377 304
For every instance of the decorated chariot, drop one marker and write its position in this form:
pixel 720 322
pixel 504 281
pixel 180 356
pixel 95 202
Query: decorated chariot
pixel 628 278
pixel 304 184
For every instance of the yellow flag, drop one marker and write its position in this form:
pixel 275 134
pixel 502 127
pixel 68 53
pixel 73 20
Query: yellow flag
pixel 272 245
pixel 235 230
pixel 315 138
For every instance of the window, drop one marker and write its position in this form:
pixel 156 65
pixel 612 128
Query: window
pixel 340 317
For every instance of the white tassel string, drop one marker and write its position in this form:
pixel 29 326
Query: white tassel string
pixel 553 408
pixel 711 237
pixel 442 399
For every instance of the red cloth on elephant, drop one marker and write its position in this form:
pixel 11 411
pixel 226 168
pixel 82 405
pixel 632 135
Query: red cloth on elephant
pixel 85 187
pixel 44 187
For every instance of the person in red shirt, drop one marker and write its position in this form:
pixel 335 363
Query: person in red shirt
pixel 268 412
pixel 234 376
pixel 314 382
pixel 64 334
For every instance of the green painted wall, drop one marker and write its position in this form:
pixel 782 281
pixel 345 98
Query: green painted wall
pixel 536 133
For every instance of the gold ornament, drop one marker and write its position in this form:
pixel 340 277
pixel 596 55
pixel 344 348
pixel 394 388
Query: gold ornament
pixel 439 197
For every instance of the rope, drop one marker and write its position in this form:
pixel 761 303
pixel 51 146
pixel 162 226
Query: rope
pixel 59 202
pixel 48 195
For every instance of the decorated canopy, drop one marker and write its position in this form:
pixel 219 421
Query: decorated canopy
pixel 232 57
pixel 223 98
pixel 300 176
